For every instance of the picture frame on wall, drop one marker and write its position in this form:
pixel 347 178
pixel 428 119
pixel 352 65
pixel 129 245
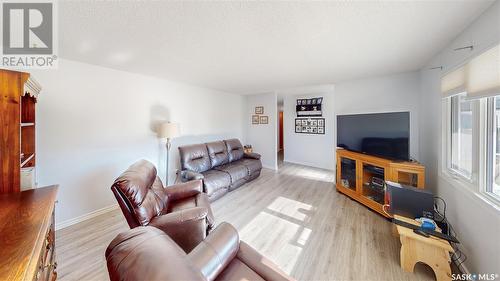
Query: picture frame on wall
pixel 312 126
pixel 264 119
pixel 255 119
pixel 259 110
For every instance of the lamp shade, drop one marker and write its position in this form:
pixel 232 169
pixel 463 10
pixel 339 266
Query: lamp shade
pixel 168 130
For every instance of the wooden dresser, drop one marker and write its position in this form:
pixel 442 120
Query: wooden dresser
pixel 27 235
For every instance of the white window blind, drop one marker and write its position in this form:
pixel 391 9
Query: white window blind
pixel 479 78
pixel 454 82
pixel 483 78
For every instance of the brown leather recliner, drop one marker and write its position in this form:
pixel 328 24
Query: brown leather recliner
pixel 144 253
pixel 222 165
pixel 182 211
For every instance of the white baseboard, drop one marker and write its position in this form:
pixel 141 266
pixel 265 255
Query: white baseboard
pixel 85 217
pixel 312 165
pixel 269 167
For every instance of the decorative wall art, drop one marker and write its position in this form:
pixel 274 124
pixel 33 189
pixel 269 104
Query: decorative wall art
pixel 259 110
pixel 255 119
pixel 314 126
pixel 264 119
pixel 309 107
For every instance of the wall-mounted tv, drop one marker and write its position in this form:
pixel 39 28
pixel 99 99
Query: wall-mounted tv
pixel 381 134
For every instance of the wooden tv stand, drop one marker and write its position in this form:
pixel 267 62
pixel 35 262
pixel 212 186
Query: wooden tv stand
pixel 359 176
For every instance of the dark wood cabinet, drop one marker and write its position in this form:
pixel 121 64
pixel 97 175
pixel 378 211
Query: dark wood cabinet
pixel 361 177
pixel 27 235
pixel 18 96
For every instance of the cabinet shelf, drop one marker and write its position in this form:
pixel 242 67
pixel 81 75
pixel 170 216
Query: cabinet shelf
pixel 27 124
pixel 26 159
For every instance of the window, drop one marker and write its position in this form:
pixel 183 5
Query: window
pixel 460 160
pixel 493 147
pixel 471 125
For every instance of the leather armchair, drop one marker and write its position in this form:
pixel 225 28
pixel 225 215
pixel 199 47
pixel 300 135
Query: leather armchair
pixel 146 253
pixel 182 211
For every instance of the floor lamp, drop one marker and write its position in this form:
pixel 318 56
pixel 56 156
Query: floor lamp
pixel 168 131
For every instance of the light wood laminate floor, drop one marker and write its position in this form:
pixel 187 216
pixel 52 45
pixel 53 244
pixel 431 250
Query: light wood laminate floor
pixel 295 217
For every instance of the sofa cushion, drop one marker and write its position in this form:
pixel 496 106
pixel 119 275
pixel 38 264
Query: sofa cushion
pixel 235 170
pixel 217 151
pixel 215 180
pixel 183 204
pixel 252 165
pixel 235 149
pixel 237 270
pixel 195 158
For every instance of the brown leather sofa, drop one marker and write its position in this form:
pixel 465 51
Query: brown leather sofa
pixel 182 211
pixel 144 253
pixel 222 165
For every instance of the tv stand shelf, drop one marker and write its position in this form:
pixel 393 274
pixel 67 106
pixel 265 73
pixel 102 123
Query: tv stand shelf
pixel 361 177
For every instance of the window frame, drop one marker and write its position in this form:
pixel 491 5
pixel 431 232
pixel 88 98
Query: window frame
pixel 479 182
pixel 447 168
pixel 488 135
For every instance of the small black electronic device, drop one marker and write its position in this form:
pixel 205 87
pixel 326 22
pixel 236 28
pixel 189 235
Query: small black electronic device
pixel 430 232
pixel 409 202
pixel 377 183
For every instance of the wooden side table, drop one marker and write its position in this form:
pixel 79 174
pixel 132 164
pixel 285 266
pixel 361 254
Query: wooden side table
pixel 431 250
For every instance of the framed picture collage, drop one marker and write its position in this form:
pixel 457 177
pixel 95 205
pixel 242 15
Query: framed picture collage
pixel 315 126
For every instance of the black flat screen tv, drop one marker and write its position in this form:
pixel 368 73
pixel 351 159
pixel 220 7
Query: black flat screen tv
pixel 386 135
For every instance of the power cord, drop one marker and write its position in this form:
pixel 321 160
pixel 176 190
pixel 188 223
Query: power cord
pixel 458 257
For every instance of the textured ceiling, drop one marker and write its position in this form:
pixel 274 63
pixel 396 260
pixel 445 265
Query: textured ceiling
pixel 249 47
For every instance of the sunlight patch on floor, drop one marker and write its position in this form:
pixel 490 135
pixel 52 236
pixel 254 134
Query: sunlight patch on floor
pixel 311 173
pixel 289 207
pixel 283 216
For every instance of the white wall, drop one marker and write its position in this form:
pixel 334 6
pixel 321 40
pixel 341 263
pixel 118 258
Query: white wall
pixel 263 137
pixel 93 122
pixel 308 149
pixel 399 92
pixel 476 222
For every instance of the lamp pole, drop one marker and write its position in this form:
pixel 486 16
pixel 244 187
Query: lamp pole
pixel 168 145
pixel 168 131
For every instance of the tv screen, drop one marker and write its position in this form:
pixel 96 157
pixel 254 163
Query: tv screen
pixel 381 134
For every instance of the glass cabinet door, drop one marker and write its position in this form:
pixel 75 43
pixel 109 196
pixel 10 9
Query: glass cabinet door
pixel 348 173
pixel 373 183
pixel 407 178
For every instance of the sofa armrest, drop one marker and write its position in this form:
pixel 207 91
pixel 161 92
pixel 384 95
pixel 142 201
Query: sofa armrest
pixel 186 227
pixel 184 190
pixel 202 201
pixel 187 175
pixel 252 155
pixel 215 253
pixel 260 264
